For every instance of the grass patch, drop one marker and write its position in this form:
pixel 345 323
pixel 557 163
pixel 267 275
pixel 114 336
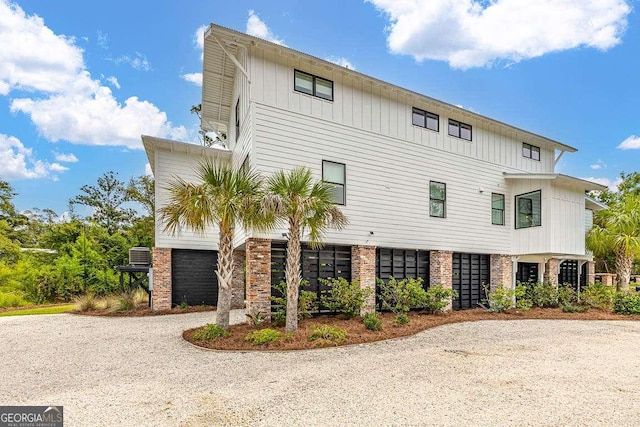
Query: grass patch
pixel 55 309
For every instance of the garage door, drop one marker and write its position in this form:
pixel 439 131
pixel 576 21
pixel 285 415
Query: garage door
pixel 527 272
pixel 327 263
pixel 401 264
pixel 194 278
pixel 568 273
pixel 471 272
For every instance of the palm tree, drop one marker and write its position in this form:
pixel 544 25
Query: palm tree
pixel 305 205
pixel 617 230
pixel 223 197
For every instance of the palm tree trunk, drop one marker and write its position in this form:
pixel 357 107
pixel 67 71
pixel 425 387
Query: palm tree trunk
pixel 292 274
pixel 224 272
pixel 624 264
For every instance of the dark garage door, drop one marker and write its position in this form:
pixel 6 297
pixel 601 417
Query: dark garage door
pixel 326 263
pixel 194 277
pixel 471 272
pixel 401 264
pixel 568 273
pixel 527 272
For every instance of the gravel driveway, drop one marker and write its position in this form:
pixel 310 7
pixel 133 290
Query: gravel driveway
pixel 139 372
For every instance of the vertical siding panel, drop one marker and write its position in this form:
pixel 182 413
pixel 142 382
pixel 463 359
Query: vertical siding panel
pixel 384 112
pixel 357 103
pixel 375 109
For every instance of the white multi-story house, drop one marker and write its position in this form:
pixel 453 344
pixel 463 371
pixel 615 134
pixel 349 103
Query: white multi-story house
pixel 430 189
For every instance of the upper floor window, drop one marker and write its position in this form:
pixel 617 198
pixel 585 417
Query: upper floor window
pixel 313 85
pixel 238 119
pixel 335 174
pixel 437 199
pixel 426 119
pixel 497 209
pixel 459 129
pixel 530 151
pixel 528 209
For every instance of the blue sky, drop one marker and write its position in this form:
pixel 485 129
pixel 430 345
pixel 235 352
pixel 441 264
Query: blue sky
pixel 80 81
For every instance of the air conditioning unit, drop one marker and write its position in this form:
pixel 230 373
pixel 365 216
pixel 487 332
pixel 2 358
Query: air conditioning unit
pixel 139 256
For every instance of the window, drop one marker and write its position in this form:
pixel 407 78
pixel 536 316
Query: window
pixel 335 174
pixel 313 85
pixel 459 129
pixel 426 119
pixel 528 209
pixel 497 209
pixel 437 199
pixel 238 119
pixel 530 151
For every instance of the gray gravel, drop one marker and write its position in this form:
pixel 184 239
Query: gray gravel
pixel 139 372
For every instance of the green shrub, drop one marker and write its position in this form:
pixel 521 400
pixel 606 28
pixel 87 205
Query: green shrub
pixel 570 308
pixel 372 321
pixel 522 302
pixel 86 302
pixel 598 296
pixel 499 299
pixel 210 332
pixel 437 298
pixel 401 296
pixel 306 303
pixel 542 294
pixel 263 336
pixel 328 333
pixel 344 297
pixel 401 318
pixel 256 319
pixel 126 301
pixel 567 295
pixel 626 303
pixel 8 299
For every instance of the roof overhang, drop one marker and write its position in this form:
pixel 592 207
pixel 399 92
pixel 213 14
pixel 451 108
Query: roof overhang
pixel 560 179
pixel 593 204
pixel 153 144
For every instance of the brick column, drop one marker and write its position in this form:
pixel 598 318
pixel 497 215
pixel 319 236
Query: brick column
pixel 161 296
pixel 441 270
pixel 591 272
pixel 551 270
pixel 363 269
pixel 237 280
pixel 258 254
pixel 501 271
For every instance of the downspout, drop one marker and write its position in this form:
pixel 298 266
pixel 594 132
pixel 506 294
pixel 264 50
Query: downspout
pixel 514 272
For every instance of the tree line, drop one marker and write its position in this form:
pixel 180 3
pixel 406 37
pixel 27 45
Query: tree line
pixel 46 257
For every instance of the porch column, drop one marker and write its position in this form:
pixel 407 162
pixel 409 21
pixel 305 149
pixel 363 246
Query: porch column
pixel 551 270
pixel 237 280
pixel 363 269
pixel 441 270
pixel 591 272
pixel 501 271
pixel 258 257
pixel 161 294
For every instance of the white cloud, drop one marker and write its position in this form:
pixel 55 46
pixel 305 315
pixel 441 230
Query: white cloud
pixel 474 33
pixel 32 57
pixel 17 162
pixel 102 39
pixel 138 62
pixel 198 39
pixel 341 61
pixel 612 184
pixel 631 143
pixel 195 78
pixel 66 158
pixel 114 81
pixel 257 28
pixel 598 165
pixel 147 170
pixel 66 102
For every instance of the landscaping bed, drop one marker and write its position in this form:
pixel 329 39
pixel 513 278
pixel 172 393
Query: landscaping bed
pixel 144 310
pixel 356 333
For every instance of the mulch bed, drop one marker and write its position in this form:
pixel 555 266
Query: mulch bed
pixel 358 334
pixel 144 310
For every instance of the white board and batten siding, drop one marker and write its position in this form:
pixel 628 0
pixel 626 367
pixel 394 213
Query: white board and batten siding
pixel 386 111
pixel 168 165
